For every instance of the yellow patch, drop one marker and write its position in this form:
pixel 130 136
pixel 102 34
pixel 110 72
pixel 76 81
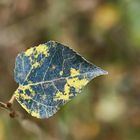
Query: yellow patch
pixel 65 96
pixel 36 51
pixel 24 96
pixel 35 114
pixel 61 96
pixel 77 83
pixel 42 49
pixel 29 52
pixel 67 89
pixel 74 82
pixel 36 64
pixel 24 88
pixel 74 72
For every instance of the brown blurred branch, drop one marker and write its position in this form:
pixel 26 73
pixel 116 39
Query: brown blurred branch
pixel 4 106
pixel 8 106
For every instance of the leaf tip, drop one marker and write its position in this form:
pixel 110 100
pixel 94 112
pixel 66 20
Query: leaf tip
pixel 105 72
pixel 98 71
pixel 102 72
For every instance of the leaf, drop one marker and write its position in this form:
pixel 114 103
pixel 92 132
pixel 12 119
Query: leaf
pixel 49 75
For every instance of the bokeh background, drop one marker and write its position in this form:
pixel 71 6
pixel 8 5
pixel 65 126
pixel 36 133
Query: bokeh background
pixel 105 32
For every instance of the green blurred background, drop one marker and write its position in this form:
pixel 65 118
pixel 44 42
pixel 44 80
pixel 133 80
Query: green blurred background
pixel 107 33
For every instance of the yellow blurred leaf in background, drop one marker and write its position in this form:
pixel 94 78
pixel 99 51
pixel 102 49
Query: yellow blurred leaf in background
pixel 106 16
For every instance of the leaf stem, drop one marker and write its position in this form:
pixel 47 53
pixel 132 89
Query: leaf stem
pixel 12 99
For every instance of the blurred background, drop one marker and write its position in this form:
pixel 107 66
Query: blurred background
pixel 107 33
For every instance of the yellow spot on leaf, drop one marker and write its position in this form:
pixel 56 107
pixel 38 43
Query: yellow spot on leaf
pixel 29 52
pixel 36 64
pixel 74 72
pixel 67 89
pixel 77 83
pixel 42 49
pixel 35 52
pixel 24 94
pixel 63 96
pixel 35 114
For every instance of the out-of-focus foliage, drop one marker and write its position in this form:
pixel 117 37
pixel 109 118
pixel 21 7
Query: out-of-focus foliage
pixel 132 14
pixel 105 32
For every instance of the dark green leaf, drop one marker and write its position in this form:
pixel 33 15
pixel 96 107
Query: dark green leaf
pixel 50 75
